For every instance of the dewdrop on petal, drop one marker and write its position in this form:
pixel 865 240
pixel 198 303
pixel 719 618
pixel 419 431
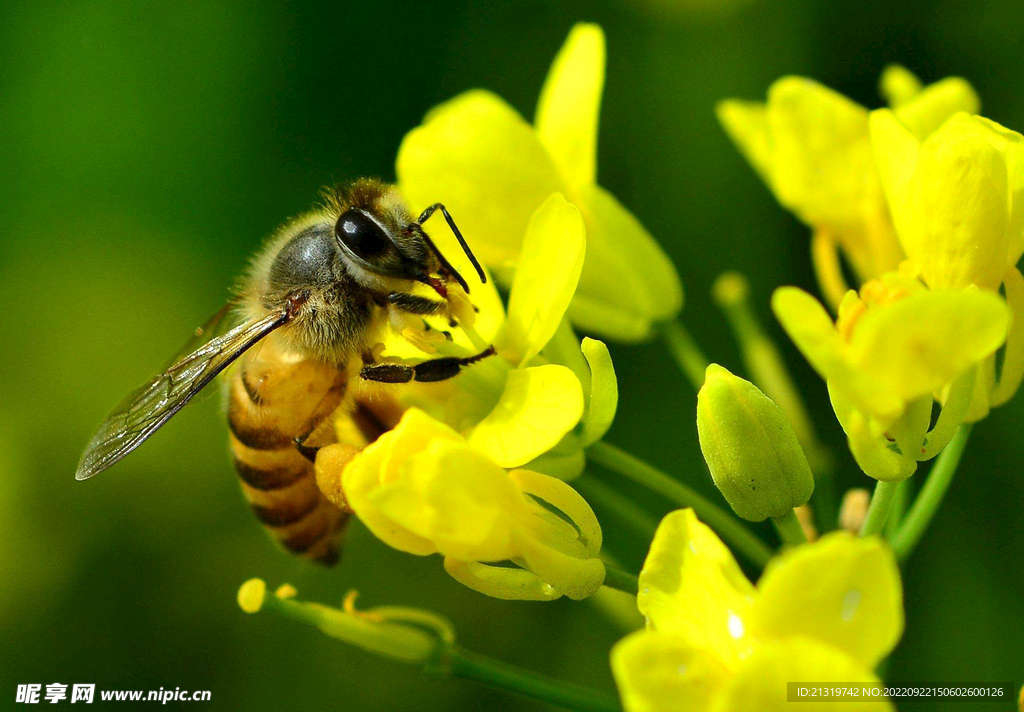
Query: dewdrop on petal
pixel 751 450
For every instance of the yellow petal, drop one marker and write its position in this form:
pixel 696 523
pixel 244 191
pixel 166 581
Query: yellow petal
pixel 896 149
pixel 665 672
pixel 746 122
pixel 454 496
pixel 567 112
pixel 867 442
pixel 898 85
pixel 960 200
pixel 691 584
pixel 842 590
pixel 567 500
pixel 917 344
pixel 545 277
pixel 604 391
pixel 926 111
pixel 1013 361
pixel 573 576
pixel 510 584
pixel 761 683
pixel 628 282
pixel 822 160
pixel 539 406
pixel 811 329
pixel 479 157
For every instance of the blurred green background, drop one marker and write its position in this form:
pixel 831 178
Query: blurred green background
pixel 148 148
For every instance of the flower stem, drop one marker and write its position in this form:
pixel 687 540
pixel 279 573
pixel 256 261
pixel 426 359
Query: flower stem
pixel 878 510
pixel 621 580
pixel 931 494
pixel 685 351
pixel 437 656
pixel 790 531
pixel 728 526
pixel 472 666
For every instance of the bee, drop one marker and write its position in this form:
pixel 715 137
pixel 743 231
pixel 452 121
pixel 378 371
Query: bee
pixel 316 304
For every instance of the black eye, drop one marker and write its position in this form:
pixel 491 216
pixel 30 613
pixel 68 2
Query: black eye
pixel 360 233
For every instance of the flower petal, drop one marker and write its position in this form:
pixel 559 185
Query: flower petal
pixel 546 276
pixel 479 157
pixel 628 282
pixel 843 591
pixel 811 329
pixel 567 500
pixel 761 682
pixel 665 672
pixel 604 391
pixel 925 112
pixel 1013 362
pixel 567 112
pixel 822 160
pixel 510 584
pixel 898 85
pixel 454 496
pixel 746 122
pixel 918 344
pixel 691 584
pixel 961 201
pixel 539 406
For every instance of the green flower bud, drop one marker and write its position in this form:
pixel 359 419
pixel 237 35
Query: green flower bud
pixel 751 450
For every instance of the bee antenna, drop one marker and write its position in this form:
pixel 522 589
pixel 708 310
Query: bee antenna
pixel 445 263
pixel 458 235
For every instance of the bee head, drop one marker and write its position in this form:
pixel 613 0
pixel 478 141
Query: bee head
pixel 380 241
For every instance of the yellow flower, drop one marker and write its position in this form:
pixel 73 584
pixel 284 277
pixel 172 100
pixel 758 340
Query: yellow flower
pixel 894 345
pixel 812 148
pixel 520 405
pixel 823 612
pixel 493 170
pixel 957 198
pixel 423 489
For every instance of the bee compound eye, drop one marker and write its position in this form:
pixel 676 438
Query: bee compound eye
pixel 361 234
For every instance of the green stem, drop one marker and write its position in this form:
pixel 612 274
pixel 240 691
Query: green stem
pixel 472 666
pixel 790 531
pixel 685 351
pixel 621 580
pixel 412 645
pixel 598 493
pixel 931 494
pixel 725 524
pixel 878 510
pixel 899 509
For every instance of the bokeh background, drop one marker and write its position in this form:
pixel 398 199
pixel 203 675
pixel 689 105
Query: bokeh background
pixel 147 149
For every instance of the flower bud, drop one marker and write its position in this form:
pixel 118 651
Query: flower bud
pixel 751 450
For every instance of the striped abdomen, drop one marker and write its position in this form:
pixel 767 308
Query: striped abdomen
pixel 273 400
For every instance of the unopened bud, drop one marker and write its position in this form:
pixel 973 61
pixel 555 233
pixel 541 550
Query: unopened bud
pixel 751 450
pixel 854 509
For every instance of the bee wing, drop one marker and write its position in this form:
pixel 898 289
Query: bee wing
pixel 215 326
pixel 143 412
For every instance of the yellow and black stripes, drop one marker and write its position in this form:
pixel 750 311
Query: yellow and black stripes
pixel 272 403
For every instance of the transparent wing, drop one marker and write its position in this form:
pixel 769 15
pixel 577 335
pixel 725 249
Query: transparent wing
pixel 215 326
pixel 143 412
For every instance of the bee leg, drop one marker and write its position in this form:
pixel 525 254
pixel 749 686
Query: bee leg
pixel 305 450
pixel 437 369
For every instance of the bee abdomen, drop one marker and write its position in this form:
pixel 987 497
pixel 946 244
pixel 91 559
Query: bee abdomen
pixel 271 405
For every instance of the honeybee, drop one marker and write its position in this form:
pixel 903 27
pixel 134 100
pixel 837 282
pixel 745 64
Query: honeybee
pixel 317 302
